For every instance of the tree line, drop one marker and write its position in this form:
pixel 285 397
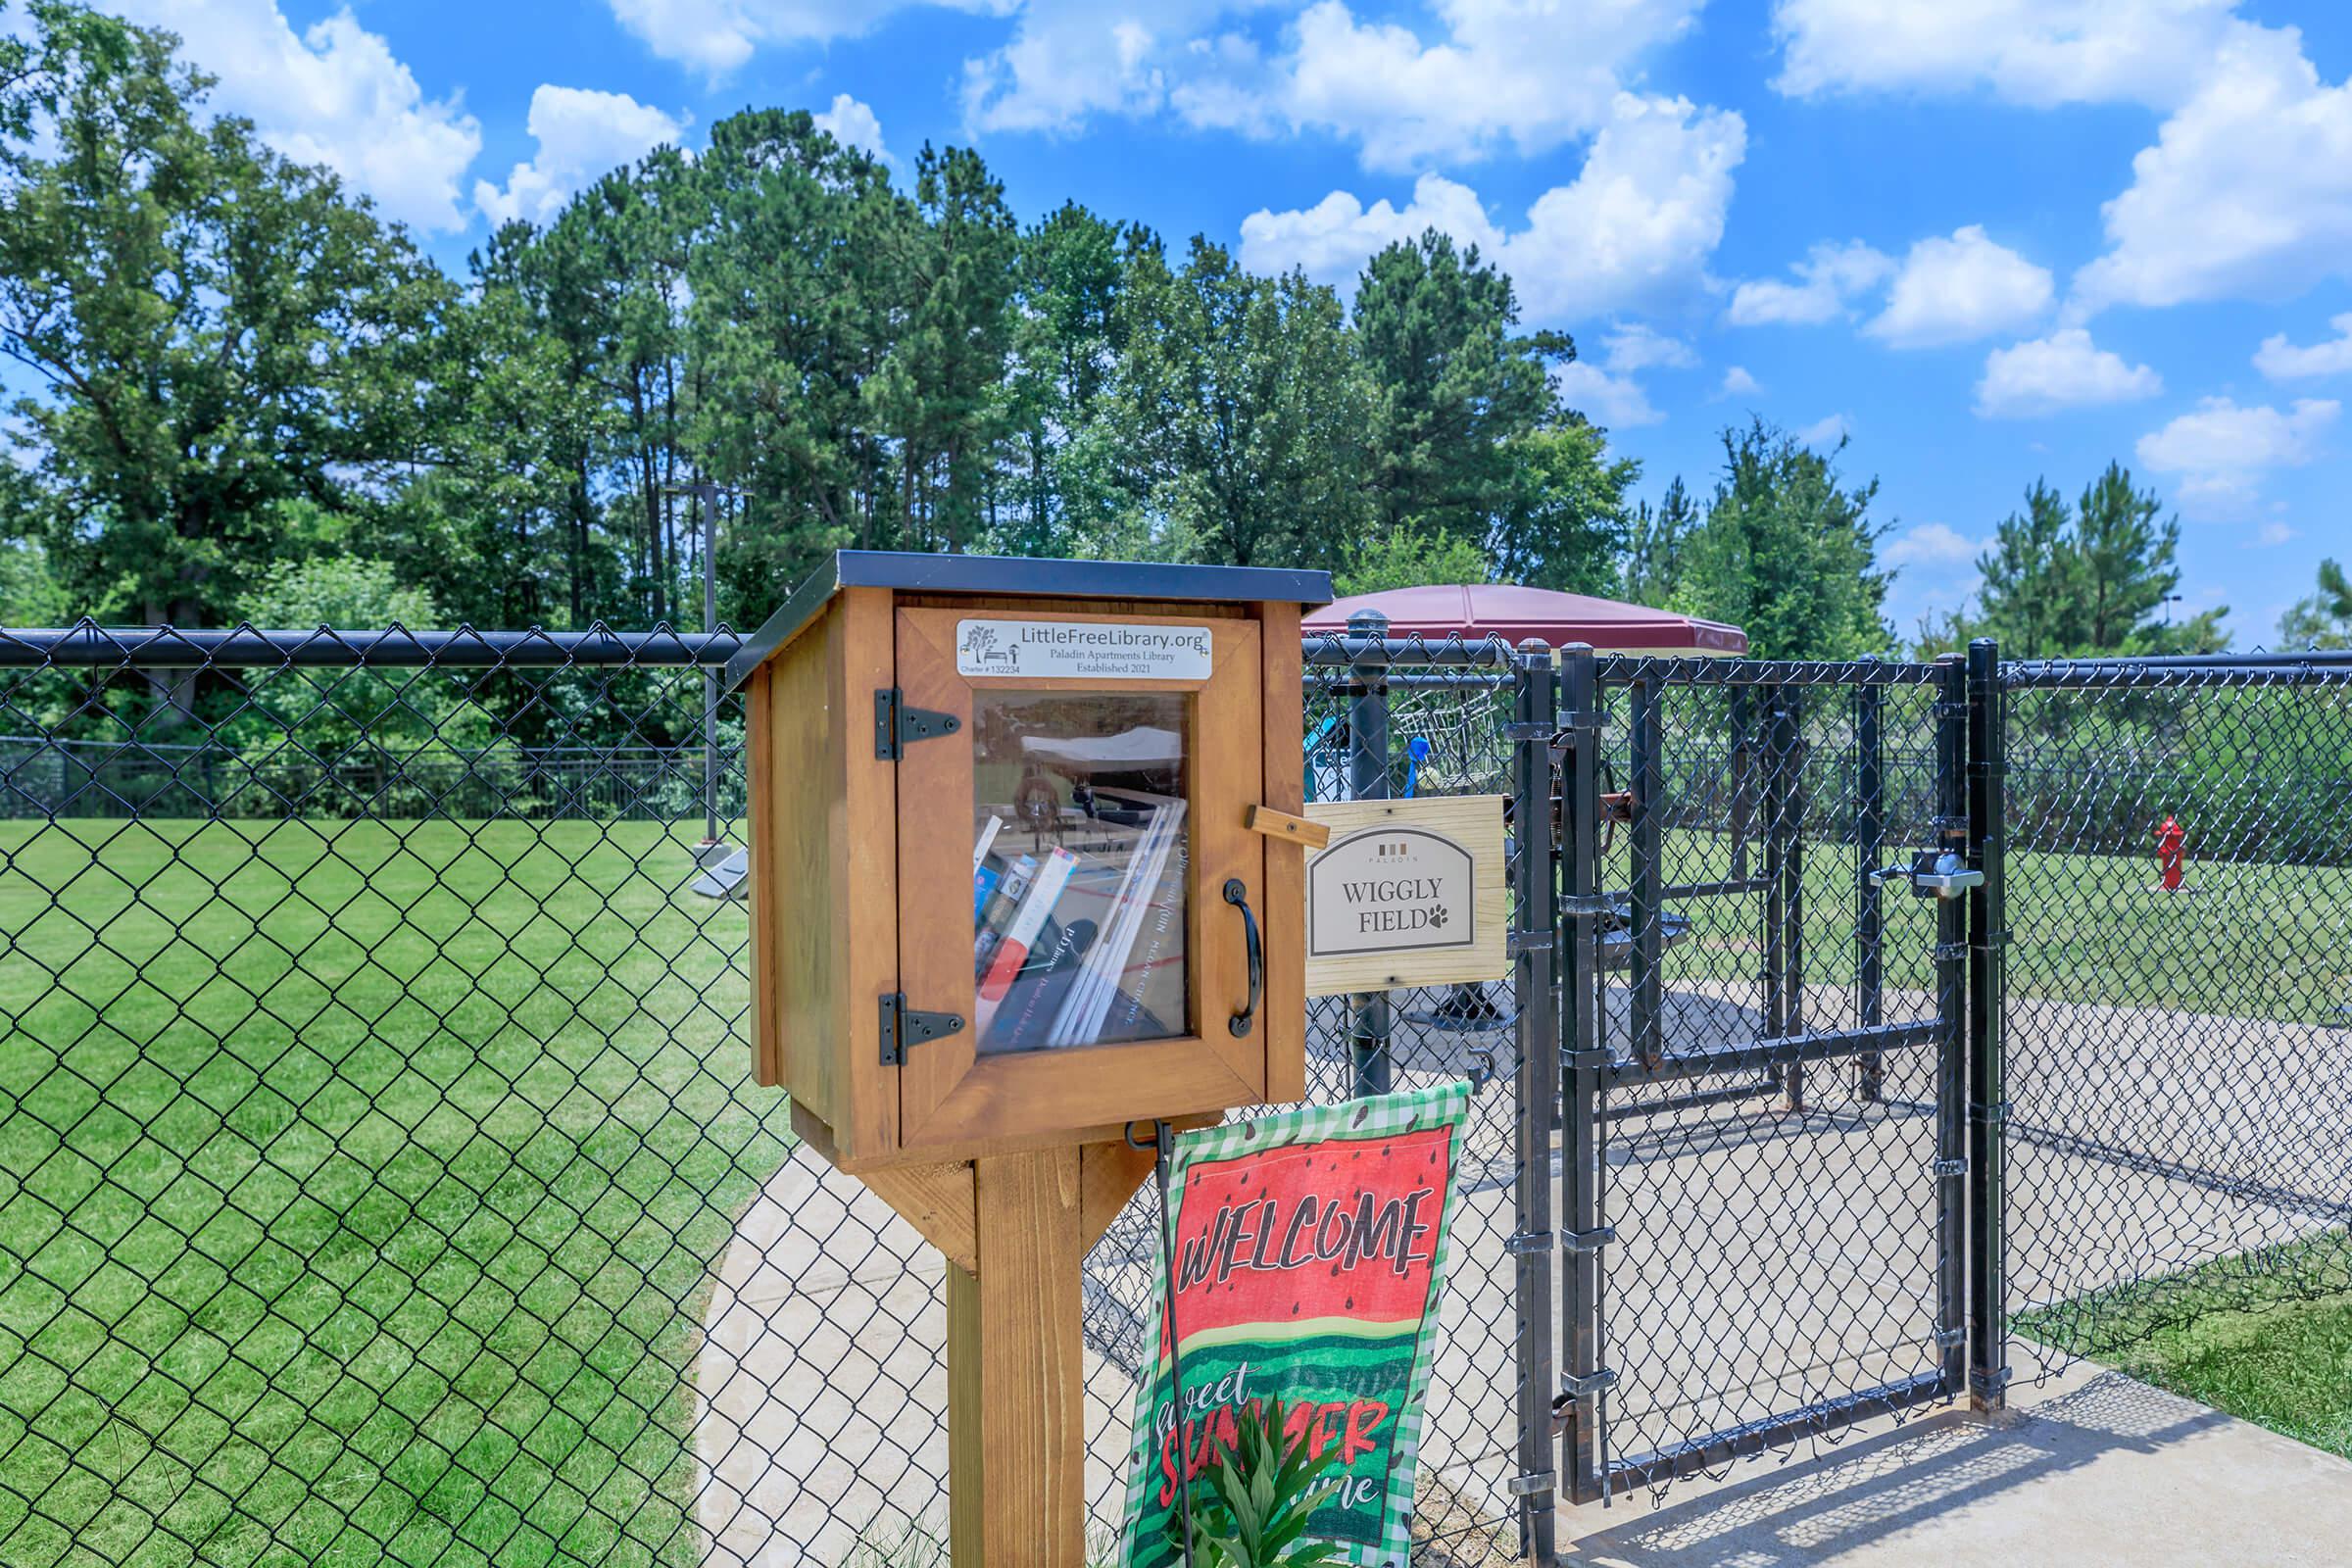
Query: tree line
pixel 244 394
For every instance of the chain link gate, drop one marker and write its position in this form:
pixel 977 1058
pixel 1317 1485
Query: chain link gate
pixel 1768 872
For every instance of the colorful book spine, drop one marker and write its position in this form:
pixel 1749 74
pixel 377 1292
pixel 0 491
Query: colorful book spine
pixel 1000 912
pixel 1043 978
pixel 1043 894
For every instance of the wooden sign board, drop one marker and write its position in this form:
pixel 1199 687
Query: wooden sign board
pixel 1407 893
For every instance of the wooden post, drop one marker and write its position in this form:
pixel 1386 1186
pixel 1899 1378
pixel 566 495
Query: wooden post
pixel 1016 1407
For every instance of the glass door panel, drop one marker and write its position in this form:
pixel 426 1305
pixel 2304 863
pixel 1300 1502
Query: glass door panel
pixel 1081 849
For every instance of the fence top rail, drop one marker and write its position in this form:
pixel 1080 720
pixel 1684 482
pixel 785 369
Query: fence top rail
pixel 92 646
pixel 1406 652
pixel 2312 667
pixel 1623 669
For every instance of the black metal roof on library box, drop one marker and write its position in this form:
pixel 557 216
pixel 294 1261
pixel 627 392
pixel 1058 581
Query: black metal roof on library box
pixel 916 572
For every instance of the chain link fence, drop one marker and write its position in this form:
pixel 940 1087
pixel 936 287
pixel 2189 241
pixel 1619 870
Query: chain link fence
pixel 385 1182
pixel 381 1179
pixel 2180 1136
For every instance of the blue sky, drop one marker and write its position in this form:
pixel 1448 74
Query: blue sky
pixel 1990 240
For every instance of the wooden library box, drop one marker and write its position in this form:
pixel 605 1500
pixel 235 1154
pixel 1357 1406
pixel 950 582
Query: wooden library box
pixel 1023 866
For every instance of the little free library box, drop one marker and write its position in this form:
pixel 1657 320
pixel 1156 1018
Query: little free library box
pixel 1026 870
pixel 1005 888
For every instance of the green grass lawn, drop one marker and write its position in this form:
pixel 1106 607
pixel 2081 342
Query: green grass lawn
pixel 2266 1336
pixel 2242 941
pixel 360 1181
pixel 359 1187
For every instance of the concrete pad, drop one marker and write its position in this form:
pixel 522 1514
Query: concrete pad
pixel 2091 1470
pixel 1764 1261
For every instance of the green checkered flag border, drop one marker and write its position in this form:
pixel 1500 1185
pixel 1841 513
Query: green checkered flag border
pixel 1380 1116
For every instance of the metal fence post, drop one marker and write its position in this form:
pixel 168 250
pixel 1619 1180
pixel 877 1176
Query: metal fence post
pixel 1583 1449
pixel 1643 905
pixel 1951 1082
pixel 1368 1023
pixel 1987 983
pixel 1870 854
pixel 1535 873
pixel 1785 874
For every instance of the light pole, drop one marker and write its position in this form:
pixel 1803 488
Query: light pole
pixel 706 493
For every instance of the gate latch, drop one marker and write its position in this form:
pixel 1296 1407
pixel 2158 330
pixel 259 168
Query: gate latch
pixel 1934 874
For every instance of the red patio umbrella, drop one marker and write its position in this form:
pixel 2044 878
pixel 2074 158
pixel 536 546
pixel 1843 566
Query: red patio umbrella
pixel 1479 609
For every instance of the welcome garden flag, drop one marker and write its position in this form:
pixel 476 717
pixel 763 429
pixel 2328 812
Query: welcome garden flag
pixel 1310 1249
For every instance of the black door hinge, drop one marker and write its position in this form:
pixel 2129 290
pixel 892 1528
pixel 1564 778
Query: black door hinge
pixel 897 726
pixel 902 1026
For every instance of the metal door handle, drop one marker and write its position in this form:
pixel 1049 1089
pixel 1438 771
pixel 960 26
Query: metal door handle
pixel 1239 896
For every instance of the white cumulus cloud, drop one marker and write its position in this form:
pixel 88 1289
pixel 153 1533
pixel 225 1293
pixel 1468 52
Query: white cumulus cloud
pixel 334 94
pixel 1827 280
pixel 2282 360
pixel 1483 75
pixel 853 125
pixel 2039 52
pixel 2063 371
pixel 1966 286
pixel 1737 383
pixel 2247 192
pixel 2221 450
pixel 581 135
pixel 719 35
pixel 1634 231
pixel 1827 431
pixel 1615 400
pixel 1932 544
pixel 1528 72
pixel 1633 346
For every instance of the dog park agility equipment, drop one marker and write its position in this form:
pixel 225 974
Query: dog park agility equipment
pixel 1111 754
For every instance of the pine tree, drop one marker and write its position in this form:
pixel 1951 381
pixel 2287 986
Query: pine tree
pixel 1787 552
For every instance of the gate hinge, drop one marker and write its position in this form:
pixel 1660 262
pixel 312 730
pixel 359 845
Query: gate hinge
pixel 1533 1483
pixel 1948 951
pixel 1988 1115
pixel 902 1026
pixel 1580 1243
pixel 1947 1167
pixel 1522 1243
pixel 1987 1385
pixel 1950 1339
pixel 1584 904
pixel 898 726
pixel 1529 729
pixel 1576 1385
pixel 1517 941
pixel 1991 940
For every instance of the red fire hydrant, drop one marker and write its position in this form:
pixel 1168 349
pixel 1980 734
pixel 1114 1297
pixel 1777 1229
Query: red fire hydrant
pixel 2170 836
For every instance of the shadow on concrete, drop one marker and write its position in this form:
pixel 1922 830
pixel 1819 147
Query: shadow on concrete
pixel 1870 1488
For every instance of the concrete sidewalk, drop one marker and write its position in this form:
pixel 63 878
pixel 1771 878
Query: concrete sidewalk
pixel 2093 1468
